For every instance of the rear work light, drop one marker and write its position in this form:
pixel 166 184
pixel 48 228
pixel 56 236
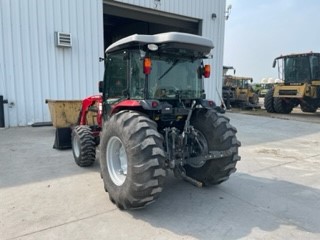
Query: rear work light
pixel 206 71
pixel 147 65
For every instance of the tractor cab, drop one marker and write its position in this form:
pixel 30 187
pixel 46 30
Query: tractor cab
pixel 155 72
pixel 299 68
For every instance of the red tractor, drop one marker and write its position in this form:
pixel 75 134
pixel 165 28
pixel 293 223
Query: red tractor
pixel 153 117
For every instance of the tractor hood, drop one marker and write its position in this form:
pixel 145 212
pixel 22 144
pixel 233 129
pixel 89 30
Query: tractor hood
pixel 177 40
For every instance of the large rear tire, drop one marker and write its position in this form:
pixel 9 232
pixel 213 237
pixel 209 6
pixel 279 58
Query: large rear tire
pixel 83 146
pixel 268 101
pixel 132 160
pixel 220 136
pixel 281 106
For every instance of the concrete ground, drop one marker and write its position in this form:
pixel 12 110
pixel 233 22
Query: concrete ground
pixel 275 194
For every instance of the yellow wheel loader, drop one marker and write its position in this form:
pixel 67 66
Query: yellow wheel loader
pixel 238 92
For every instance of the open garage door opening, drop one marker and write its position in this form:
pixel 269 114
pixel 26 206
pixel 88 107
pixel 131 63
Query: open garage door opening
pixel 122 20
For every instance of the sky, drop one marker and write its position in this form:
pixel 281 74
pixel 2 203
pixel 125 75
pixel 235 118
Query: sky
pixel 258 31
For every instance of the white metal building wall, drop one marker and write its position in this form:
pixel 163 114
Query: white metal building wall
pixel 33 69
pixel 212 28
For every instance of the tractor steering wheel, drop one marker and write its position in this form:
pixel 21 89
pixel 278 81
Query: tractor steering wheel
pixel 166 91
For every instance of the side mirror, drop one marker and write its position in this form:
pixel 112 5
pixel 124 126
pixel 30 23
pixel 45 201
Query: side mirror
pixel 101 86
pixel 274 63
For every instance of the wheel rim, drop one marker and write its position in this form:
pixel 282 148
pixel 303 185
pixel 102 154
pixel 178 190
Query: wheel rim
pixel 117 161
pixel 76 146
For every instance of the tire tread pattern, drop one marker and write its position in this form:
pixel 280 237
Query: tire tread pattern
pixel 305 107
pixel 87 145
pixel 221 136
pixel 146 159
pixel 281 106
pixel 268 101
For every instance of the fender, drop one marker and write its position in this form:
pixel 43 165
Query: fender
pixel 128 103
pixel 91 103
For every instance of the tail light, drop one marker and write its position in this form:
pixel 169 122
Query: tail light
pixel 206 71
pixel 154 104
pixel 147 65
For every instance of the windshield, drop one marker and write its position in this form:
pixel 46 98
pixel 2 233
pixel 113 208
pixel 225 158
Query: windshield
pixel 229 82
pixel 315 67
pixel 245 83
pixel 174 78
pixel 301 69
pixel 170 78
pixel 242 83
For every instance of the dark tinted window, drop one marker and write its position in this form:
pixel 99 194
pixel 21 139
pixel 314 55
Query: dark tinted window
pixel 116 74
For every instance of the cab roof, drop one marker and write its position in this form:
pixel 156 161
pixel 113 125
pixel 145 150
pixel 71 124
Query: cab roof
pixel 165 40
pixel 297 55
pixel 237 78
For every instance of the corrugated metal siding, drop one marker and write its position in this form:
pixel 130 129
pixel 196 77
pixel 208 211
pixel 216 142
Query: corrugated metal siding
pixel 33 69
pixel 211 28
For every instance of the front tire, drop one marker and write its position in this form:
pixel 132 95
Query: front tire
pixel 305 107
pixel 268 101
pixel 281 106
pixel 83 146
pixel 220 136
pixel 132 160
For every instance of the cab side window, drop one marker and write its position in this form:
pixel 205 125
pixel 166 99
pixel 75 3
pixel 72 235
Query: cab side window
pixel 116 75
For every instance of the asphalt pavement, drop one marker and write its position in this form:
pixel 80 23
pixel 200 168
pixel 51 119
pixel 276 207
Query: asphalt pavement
pixel 275 193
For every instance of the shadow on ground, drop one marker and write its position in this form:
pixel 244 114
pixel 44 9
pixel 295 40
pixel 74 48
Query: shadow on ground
pixel 27 155
pixel 234 209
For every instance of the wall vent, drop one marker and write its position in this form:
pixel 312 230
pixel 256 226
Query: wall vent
pixel 63 39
